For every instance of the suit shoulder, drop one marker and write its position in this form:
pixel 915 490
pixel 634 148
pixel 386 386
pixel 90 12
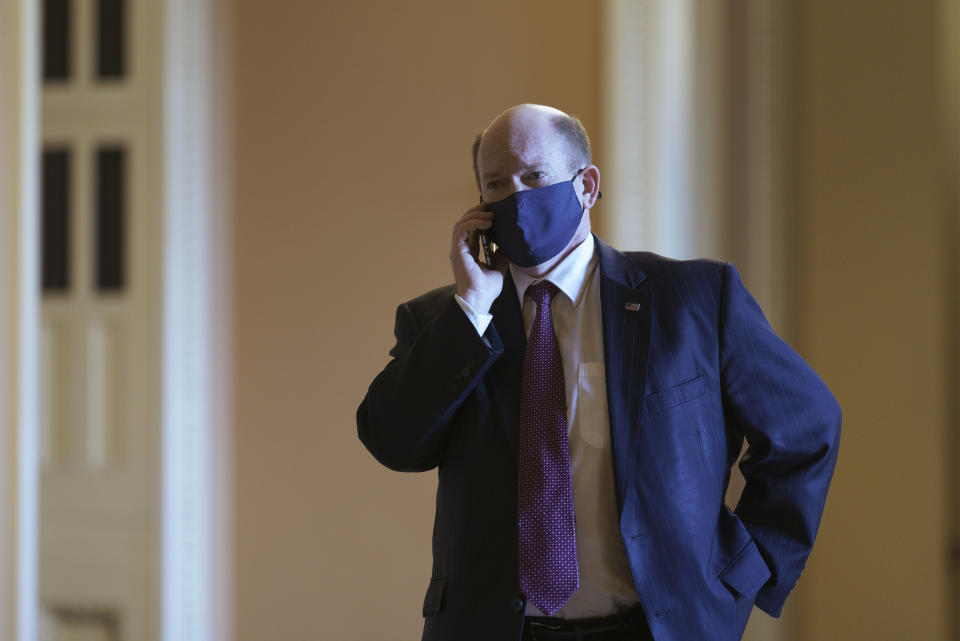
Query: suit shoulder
pixel 702 270
pixel 432 302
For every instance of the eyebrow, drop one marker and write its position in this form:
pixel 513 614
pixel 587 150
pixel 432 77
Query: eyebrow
pixel 534 165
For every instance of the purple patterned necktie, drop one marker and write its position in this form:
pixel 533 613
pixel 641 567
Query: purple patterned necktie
pixel 547 540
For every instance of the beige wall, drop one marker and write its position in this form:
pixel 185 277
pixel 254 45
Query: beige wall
pixel 353 125
pixel 352 128
pixel 871 313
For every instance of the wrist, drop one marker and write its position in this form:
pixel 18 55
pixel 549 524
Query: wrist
pixel 477 302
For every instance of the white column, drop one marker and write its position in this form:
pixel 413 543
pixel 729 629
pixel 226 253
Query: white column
pixel 765 150
pixel 19 303
pixel 656 142
pixel 196 381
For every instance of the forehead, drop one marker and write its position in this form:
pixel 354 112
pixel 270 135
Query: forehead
pixel 513 144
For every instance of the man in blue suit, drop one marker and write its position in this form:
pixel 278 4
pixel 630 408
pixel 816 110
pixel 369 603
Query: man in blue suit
pixel 584 407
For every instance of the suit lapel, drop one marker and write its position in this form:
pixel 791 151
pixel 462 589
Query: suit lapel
pixel 506 371
pixel 626 313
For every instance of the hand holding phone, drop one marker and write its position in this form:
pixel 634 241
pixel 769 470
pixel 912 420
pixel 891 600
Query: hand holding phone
pixel 478 279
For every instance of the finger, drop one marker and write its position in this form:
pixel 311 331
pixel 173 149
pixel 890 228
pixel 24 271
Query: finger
pixel 473 242
pixel 474 219
pixel 478 207
pixel 465 227
pixel 478 223
pixel 465 241
pixel 476 211
pixel 474 216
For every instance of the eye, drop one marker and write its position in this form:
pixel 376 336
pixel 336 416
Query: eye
pixel 493 184
pixel 537 175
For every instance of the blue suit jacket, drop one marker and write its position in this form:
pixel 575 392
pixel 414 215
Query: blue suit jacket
pixel 690 374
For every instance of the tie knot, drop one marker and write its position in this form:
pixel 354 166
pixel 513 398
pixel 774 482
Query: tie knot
pixel 542 292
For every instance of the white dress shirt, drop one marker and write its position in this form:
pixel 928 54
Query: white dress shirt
pixel 605 581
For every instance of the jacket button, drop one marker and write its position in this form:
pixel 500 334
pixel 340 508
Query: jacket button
pixel 516 604
pixel 465 372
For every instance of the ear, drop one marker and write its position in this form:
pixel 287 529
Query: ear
pixel 590 189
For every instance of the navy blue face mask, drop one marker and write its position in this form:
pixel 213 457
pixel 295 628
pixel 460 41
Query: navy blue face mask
pixel 534 225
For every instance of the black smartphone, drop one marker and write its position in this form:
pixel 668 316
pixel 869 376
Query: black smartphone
pixel 487 243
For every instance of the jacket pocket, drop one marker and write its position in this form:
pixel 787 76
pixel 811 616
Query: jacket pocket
pixel 433 602
pixel 681 393
pixel 747 573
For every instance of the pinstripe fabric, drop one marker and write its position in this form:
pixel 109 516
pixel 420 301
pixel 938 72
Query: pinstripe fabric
pixel 692 369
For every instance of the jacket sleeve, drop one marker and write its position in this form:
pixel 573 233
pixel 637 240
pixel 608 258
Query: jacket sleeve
pixel 438 358
pixel 792 425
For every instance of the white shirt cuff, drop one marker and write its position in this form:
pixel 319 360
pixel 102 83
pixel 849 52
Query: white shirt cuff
pixel 480 321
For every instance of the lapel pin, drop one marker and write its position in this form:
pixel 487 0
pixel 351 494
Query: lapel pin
pixel 632 307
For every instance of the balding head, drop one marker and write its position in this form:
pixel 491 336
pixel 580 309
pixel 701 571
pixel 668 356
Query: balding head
pixel 528 147
pixel 528 124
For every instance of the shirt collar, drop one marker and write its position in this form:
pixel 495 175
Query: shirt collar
pixel 569 275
